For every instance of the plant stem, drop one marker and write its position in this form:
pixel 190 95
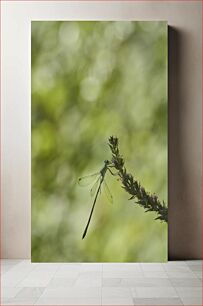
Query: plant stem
pixel 148 201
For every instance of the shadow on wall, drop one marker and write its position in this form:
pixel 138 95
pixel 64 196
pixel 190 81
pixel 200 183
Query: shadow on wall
pixel 184 207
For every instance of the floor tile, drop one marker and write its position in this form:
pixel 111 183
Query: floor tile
pixel 9 292
pixel 90 274
pixel 155 274
pixel 177 268
pixel 58 282
pixel 21 301
pixel 14 276
pixel 36 280
pixel 117 301
pixel 6 268
pixel 28 292
pixel 69 301
pixel 153 292
pixel 196 268
pixel 67 273
pixel 70 267
pixel 91 267
pixel 176 262
pixel 178 274
pixel 192 301
pixel 111 282
pixel 45 267
pixel 152 267
pixel 122 274
pixel 185 282
pixel 11 261
pixel 189 291
pixel 4 301
pixel 115 292
pixel 88 281
pixel 146 282
pixel 119 267
pixel 198 274
pixel 157 301
pixel 40 276
pixel 193 262
pixel 73 292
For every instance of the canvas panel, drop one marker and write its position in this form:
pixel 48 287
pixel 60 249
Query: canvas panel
pixel 92 80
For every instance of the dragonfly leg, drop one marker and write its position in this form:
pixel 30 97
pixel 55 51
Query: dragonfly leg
pixel 112 172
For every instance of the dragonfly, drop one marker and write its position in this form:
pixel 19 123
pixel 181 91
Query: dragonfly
pixel 100 181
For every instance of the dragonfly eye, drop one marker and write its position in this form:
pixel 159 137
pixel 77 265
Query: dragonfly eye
pixel 106 162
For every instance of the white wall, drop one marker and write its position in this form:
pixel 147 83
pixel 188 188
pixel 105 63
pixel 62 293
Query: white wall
pixel 184 110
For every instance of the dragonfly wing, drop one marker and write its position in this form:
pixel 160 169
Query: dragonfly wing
pixel 95 186
pixel 87 180
pixel 107 192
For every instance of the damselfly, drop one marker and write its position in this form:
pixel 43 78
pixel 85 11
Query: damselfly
pixel 96 189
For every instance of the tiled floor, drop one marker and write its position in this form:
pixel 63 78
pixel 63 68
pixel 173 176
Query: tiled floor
pixel 172 283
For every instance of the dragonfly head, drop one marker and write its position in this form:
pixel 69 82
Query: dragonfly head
pixel 106 162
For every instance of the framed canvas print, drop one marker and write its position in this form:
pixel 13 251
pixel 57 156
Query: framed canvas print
pixel 99 141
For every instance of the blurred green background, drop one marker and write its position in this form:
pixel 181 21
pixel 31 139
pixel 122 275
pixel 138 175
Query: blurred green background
pixel 91 80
